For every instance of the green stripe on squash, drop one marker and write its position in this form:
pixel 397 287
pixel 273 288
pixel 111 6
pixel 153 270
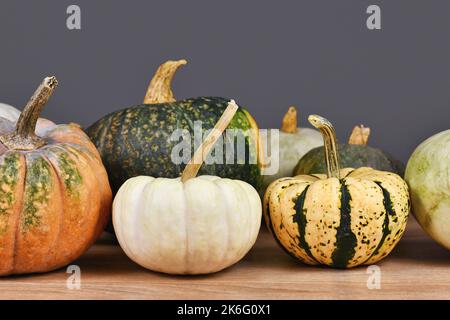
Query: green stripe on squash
pixel 301 220
pixel 345 238
pixel 389 211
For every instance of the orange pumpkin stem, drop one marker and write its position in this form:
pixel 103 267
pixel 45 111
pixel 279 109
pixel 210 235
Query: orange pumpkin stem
pixel 289 124
pixel 192 168
pixel 159 89
pixel 24 137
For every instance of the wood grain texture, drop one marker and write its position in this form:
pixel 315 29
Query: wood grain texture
pixel 417 269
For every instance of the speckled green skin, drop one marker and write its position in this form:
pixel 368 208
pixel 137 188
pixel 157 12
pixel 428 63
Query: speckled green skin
pixel 38 184
pixel 350 156
pixel 68 170
pixel 9 173
pixel 135 141
pixel 357 219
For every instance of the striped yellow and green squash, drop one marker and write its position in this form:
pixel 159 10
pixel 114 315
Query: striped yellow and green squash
pixel 346 218
pixel 136 141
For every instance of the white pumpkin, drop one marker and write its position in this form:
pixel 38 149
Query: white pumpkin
pixel 188 225
pixel 294 143
pixel 13 114
pixel 428 177
pixel 201 226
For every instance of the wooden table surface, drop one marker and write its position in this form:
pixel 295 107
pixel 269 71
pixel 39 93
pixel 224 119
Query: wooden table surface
pixel 417 269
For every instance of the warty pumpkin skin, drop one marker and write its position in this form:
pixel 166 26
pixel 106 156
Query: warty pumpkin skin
pixel 135 141
pixel 54 194
pixel 343 219
pixel 354 154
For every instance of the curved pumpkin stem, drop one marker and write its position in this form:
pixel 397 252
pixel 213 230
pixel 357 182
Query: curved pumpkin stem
pixel 289 124
pixel 359 135
pixel 330 145
pixel 159 89
pixel 192 168
pixel 24 137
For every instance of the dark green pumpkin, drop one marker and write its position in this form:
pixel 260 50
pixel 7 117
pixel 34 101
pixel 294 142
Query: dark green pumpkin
pixel 352 155
pixel 136 141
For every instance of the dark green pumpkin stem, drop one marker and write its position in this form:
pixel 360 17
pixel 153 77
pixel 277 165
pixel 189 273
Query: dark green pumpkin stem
pixel 330 145
pixel 24 137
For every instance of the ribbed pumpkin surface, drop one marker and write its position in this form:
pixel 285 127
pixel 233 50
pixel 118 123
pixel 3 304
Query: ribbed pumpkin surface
pixel 55 198
pixel 342 223
pixel 54 202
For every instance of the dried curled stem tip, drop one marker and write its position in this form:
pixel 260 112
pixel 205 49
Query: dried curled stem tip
pixel 289 124
pixel 319 122
pixel 330 144
pixel 192 168
pixel 359 136
pixel 159 89
pixel 51 82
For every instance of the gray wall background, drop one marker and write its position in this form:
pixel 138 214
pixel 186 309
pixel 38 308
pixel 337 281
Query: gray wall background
pixel 268 55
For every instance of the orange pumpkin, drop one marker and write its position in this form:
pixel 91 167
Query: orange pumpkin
pixel 55 197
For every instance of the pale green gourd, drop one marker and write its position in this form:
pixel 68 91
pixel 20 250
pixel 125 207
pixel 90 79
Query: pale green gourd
pixel 428 176
pixel 294 143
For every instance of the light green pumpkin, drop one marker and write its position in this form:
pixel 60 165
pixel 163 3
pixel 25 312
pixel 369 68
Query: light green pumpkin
pixel 428 176
pixel 294 143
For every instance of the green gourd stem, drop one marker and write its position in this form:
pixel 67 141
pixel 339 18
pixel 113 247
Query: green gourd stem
pixel 159 89
pixel 24 137
pixel 192 168
pixel 330 145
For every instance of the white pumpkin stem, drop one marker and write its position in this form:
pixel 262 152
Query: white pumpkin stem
pixel 330 144
pixel 359 136
pixel 192 168
pixel 289 124
pixel 24 137
pixel 159 89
